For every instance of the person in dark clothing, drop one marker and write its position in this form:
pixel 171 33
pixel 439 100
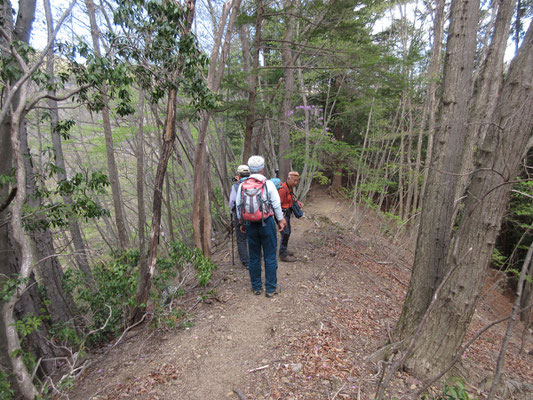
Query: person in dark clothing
pixel 243 172
pixel 286 195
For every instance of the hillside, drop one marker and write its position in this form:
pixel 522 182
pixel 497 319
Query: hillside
pixel 338 305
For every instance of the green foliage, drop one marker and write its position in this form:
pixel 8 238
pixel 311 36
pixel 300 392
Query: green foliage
pixel 517 232
pixel 64 334
pixel 498 259
pixel 181 254
pixel 6 392
pixel 9 286
pixel 116 281
pixel 7 179
pixel 28 324
pixel 161 49
pixel 55 212
pixel 454 391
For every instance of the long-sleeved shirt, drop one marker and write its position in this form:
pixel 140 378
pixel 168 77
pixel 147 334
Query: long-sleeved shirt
pixel 270 195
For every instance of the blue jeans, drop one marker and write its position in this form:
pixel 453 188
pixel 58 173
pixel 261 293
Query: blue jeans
pixel 262 237
pixel 285 235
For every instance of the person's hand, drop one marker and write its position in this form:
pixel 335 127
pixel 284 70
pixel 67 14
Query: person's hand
pixel 300 203
pixel 282 224
pixel 242 228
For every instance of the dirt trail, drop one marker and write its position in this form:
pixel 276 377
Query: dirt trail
pixel 337 305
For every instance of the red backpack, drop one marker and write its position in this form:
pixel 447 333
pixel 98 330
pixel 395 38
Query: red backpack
pixel 253 208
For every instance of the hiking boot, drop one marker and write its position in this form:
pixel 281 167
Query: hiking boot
pixel 245 266
pixel 288 258
pixel 274 293
pixel 257 292
pixel 290 253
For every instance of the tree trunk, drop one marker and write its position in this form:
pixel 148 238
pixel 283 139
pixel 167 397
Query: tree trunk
pixel 146 275
pixel 252 85
pixel 438 203
pixel 527 295
pixel 120 218
pixel 488 195
pixel 488 88
pixel 141 208
pixel 169 136
pixel 24 379
pixel 47 266
pixel 288 91
pixel 431 103
pixel 201 202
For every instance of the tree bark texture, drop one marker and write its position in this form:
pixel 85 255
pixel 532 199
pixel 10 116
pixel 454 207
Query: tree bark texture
pixel 488 88
pixel 120 218
pixel 438 203
pixel 24 379
pixel 496 167
pixel 431 103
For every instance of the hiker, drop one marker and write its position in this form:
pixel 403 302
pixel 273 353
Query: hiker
pixel 258 209
pixel 243 172
pixel 286 194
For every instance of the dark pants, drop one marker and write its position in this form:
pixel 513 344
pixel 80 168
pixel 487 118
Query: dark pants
pixel 285 235
pixel 242 244
pixel 263 237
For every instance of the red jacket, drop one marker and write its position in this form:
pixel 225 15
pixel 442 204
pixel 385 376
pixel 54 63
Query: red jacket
pixel 286 196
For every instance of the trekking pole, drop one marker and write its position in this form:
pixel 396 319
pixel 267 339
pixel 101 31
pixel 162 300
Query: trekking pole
pixel 232 246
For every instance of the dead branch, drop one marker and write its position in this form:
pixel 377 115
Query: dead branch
pixel 238 393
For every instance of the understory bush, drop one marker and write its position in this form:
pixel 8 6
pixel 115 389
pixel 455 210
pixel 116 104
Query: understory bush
pixel 108 307
pixel 454 390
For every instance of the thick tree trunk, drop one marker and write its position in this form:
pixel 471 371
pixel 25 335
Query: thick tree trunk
pixel 438 203
pixel 488 195
pixel 431 103
pixel 29 301
pixel 24 379
pixel 120 218
pixel 488 88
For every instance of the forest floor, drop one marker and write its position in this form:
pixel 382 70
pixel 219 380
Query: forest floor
pixel 338 305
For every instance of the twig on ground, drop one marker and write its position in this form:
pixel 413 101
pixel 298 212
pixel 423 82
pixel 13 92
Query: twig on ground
pixel 238 393
pixel 259 368
pixel 338 391
pixel 129 328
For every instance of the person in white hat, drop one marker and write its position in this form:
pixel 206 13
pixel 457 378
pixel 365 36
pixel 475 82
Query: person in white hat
pixel 243 172
pixel 261 232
